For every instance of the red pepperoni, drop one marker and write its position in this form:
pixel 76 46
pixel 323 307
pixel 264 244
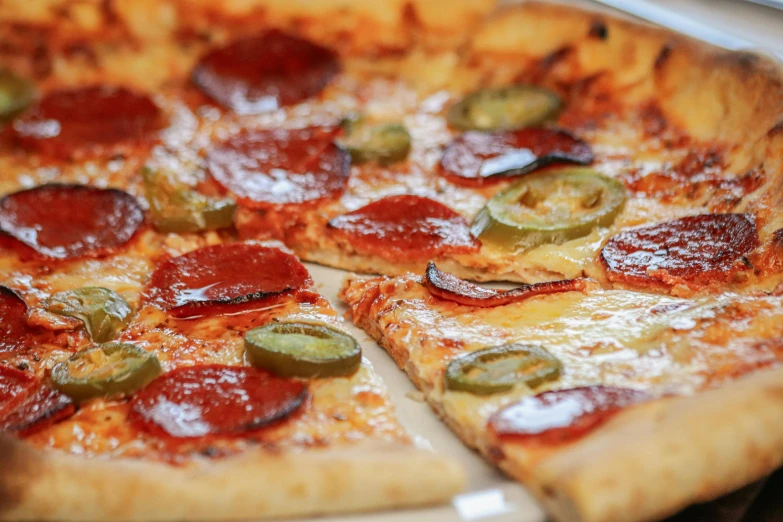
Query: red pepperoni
pixel 264 168
pixel 88 121
pixel 451 288
pixel 406 227
pixel 263 73
pixel 70 221
pixel 561 416
pixel 475 158
pixel 216 400
pixel 14 331
pixel 696 249
pixel 15 387
pixel 26 406
pixel 224 279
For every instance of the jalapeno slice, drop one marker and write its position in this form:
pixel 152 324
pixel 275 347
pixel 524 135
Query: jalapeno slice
pixel 104 312
pixel 553 207
pixel 16 94
pixel 175 207
pixel 303 350
pixel 499 369
pixel 504 108
pixel 105 370
pixel 384 143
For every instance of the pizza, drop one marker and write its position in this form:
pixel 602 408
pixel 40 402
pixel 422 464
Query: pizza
pixel 166 166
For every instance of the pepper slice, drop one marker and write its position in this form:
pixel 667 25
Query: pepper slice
pixel 499 369
pixel 553 207
pixel 174 207
pixel 303 350
pixel 384 143
pixel 106 370
pixel 104 312
pixel 504 108
pixel 16 94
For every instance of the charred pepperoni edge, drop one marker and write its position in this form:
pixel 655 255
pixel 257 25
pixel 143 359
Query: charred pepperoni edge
pixel 42 409
pixel 241 303
pixel 135 220
pixel 570 150
pixel 451 288
pixel 614 263
pixel 298 396
pixel 604 403
pixel 343 225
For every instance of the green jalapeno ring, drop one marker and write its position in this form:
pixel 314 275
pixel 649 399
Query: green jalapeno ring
pixel 384 143
pixel 499 369
pixel 16 94
pixel 504 108
pixel 306 350
pixel 105 370
pixel 103 311
pixel 599 198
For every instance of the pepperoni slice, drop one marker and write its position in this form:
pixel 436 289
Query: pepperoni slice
pixel 696 249
pixel 88 121
pixel 14 331
pixel 476 158
pixel 561 416
pixel 263 73
pixel 70 221
pixel 224 279
pixel 15 387
pixel 198 401
pixel 26 406
pixel 406 227
pixel 264 168
pixel 452 288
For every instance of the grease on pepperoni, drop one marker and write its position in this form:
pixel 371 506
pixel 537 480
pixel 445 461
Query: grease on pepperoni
pixel 224 279
pixel 561 416
pixel 88 121
pixel 70 221
pixel 215 400
pixel 476 158
pixel 263 73
pixel 265 168
pixel 15 387
pixel 26 406
pixel 405 227
pixel 695 250
pixel 451 288
pixel 14 331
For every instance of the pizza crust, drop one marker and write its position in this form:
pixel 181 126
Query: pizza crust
pixel 252 485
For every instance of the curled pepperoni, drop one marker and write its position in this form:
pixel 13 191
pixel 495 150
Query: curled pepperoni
pixel 451 288
pixel 264 168
pixel 88 121
pixel 260 74
pixel 14 331
pixel 475 158
pixel 405 227
pixel 26 406
pixel 561 416
pixel 216 400
pixel 224 279
pixel 696 249
pixel 70 221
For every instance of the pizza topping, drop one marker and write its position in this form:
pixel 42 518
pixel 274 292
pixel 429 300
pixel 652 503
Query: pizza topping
pixel 25 405
pixel 561 416
pixel 549 208
pixel 104 312
pixel 261 74
pixel 303 350
pixel 224 279
pixel 475 157
pixel 106 370
pixel 174 207
pixel 264 168
pixel 383 143
pixel 88 121
pixel 198 401
pixel 695 249
pixel 70 221
pixel 406 227
pixel 504 108
pixel 500 369
pixel 16 94
pixel 15 387
pixel 14 331
pixel 451 288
